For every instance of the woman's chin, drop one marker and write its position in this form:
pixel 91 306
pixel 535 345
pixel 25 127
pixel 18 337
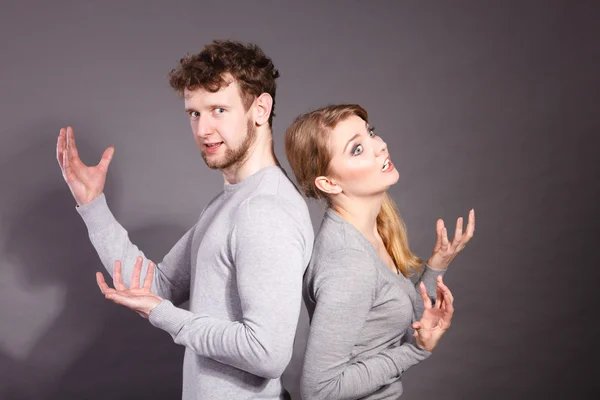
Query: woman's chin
pixel 393 178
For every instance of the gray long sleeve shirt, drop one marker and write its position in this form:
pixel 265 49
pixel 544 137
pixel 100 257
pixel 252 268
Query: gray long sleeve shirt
pixel 241 268
pixel 360 340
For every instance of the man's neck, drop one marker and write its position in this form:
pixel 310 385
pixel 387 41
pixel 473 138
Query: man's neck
pixel 260 155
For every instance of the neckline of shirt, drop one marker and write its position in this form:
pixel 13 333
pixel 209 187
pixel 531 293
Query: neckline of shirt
pixel 334 216
pixel 230 188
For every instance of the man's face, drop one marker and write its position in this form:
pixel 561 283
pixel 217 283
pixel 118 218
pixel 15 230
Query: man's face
pixel 222 127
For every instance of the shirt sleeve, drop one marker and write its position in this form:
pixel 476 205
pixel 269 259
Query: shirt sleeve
pixel 429 278
pixel 269 250
pixel 345 289
pixel 111 241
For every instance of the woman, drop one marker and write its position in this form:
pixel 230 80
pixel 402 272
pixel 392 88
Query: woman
pixel 368 323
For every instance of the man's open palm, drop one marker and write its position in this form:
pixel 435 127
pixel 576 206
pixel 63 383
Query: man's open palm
pixel 86 183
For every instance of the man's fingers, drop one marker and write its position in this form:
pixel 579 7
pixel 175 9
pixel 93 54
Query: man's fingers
pixel 106 158
pixel 104 288
pixel 117 277
pixel 60 147
pixel 149 276
pixel 65 158
pixel 137 272
pixel 71 146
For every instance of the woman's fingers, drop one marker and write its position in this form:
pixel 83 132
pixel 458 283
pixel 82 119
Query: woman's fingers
pixel 444 247
pixel 459 231
pixel 448 298
pixel 470 225
pixel 439 226
pixel 439 297
pixel 424 296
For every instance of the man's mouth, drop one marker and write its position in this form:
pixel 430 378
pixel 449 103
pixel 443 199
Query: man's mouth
pixel 212 147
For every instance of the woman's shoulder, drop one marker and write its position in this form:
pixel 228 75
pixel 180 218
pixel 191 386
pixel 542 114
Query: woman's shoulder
pixel 337 251
pixel 337 236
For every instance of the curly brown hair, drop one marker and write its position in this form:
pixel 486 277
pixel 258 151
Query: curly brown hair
pixel 247 64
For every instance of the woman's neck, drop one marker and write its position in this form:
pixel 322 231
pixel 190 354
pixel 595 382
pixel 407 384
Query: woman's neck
pixel 362 214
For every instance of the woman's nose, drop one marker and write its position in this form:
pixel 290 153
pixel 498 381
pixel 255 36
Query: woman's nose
pixel 382 147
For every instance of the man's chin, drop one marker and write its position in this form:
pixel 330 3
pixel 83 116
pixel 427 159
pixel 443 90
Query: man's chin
pixel 226 161
pixel 211 162
pixel 218 164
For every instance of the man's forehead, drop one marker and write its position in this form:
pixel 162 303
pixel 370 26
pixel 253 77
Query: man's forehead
pixel 225 92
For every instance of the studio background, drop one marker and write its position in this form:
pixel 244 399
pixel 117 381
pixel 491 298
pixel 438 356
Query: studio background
pixel 488 105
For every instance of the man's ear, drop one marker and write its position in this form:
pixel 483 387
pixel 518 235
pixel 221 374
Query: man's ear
pixel 263 105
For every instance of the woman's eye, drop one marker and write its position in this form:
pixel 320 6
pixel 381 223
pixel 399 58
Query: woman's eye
pixel 357 150
pixel 372 132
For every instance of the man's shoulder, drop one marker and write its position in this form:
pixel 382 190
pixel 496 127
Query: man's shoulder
pixel 261 206
pixel 278 193
pixel 277 182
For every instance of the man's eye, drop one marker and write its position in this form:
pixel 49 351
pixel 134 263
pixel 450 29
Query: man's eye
pixel 357 150
pixel 219 111
pixel 194 114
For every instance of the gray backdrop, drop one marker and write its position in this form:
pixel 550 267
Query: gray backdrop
pixel 484 104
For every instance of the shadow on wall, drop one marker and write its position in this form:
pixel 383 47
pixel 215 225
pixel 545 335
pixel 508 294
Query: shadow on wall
pixel 59 338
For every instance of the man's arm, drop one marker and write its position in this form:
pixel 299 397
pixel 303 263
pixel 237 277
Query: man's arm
pixel 268 247
pixel 111 241
pixel 107 235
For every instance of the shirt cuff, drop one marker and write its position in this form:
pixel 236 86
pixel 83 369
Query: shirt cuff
pixel 411 355
pixel 429 278
pixel 169 318
pixel 96 213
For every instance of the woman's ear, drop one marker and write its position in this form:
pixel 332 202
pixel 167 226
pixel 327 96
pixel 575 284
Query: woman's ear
pixel 327 185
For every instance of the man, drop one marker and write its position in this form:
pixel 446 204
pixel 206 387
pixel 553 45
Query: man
pixel 241 264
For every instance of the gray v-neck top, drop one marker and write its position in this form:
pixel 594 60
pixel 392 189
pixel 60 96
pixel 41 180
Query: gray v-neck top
pixel 360 341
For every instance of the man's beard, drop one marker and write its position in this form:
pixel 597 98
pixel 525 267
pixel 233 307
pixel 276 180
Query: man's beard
pixel 237 156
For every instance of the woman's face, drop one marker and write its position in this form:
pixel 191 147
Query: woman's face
pixel 360 163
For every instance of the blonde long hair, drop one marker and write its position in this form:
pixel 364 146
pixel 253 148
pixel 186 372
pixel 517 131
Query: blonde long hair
pixel 307 150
